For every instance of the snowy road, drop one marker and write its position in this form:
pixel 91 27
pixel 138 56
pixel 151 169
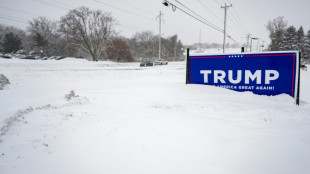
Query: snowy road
pixel 128 119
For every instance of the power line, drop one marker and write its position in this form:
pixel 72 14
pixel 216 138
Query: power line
pixel 59 7
pixel 235 21
pixel 237 26
pixel 209 10
pixel 227 1
pixel 224 2
pixel 217 16
pixel 135 14
pixel 130 5
pixel 126 11
pixel 20 11
pixel 218 28
pixel 176 7
pixel 217 2
pixel 240 19
pixel 11 18
pixel 63 4
pixel 236 18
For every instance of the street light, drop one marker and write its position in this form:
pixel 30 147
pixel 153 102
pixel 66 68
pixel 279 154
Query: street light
pixel 252 38
pixel 166 3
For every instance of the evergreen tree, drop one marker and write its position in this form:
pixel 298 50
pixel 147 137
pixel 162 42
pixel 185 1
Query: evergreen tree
pixel 307 46
pixel 300 36
pixel 11 43
pixel 289 39
pixel 276 41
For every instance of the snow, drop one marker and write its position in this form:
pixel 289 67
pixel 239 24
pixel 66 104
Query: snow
pixel 127 119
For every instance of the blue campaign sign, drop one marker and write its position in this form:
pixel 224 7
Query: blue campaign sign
pixel 269 73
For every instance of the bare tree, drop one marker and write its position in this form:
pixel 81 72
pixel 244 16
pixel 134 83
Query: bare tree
pixel 276 28
pixel 119 51
pixel 174 48
pixel 144 44
pixel 43 34
pixel 278 24
pixel 90 30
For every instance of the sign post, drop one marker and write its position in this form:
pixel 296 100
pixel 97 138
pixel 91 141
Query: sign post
pixel 298 83
pixel 187 65
pixel 266 73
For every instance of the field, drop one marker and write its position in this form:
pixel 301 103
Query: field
pixel 76 116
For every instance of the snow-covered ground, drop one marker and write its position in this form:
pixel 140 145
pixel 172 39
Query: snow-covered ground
pixel 124 119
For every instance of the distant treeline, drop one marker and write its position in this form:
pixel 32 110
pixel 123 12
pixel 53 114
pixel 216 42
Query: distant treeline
pixel 83 32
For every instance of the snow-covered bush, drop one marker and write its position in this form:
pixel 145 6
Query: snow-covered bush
pixel 71 95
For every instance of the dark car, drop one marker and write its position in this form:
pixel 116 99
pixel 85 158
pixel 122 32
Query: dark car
pixel 303 67
pixel 30 57
pixel 146 63
pixel 59 57
pixel 6 56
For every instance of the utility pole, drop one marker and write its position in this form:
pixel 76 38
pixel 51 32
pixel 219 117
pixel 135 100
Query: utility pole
pixel 257 49
pixel 225 21
pixel 252 38
pixel 200 36
pixel 262 46
pixel 199 49
pixel 247 42
pixel 159 47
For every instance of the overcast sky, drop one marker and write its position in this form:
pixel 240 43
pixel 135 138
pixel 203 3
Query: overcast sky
pixel 245 16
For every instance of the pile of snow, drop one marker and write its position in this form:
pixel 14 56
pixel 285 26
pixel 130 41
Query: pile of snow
pixel 3 81
pixel 76 116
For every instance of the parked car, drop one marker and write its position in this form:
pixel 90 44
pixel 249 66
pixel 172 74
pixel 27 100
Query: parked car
pixel 146 63
pixel 6 56
pixel 52 57
pixel 59 57
pixel 19 56
pixel 30 57
pixel 303 67
pixel 160 62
